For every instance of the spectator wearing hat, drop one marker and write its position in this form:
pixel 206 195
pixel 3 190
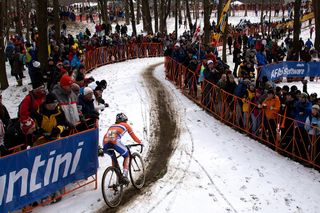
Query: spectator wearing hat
pixel 191 77
pixel 32 101
pixel 211 77
pixel 99 103
pixel 312 126
pixel 49 72
pixel 287 126
pixel 35 72
pixel 271 106
pixel 4 115
pixel 67 99
pixel 4 121
pixel 256 112
pixel 236 59
pixel 49 118
pixel 20 133
pixel 86 104
pixel 18 65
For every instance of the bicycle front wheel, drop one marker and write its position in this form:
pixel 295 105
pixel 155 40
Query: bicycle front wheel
pixel 112 190
pixel 137 171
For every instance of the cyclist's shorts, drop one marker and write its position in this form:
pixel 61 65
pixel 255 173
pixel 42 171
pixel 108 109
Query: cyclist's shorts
pixel 119 147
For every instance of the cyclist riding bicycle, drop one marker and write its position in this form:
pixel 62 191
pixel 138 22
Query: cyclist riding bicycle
pixel 112 141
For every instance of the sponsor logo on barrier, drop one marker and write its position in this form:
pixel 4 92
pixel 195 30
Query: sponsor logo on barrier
pixel 280 72
pixel 66 162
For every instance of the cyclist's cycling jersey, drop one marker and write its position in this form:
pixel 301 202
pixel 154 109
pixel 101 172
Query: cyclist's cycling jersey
pixel 116 131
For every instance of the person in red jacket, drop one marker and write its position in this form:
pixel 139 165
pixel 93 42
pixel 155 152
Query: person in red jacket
pixel 32 101
pixel 112 141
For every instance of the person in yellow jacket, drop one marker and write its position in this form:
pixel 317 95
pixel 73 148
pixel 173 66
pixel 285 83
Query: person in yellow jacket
pixel 271 106
pixel 250 93
pixel 50 119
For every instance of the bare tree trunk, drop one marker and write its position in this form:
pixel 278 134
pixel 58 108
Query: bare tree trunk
pixel 156 18
pixel 133 21
pixel 43 33
pixel 18 18
pixel 296 25
pixel 270 8
pixel 220 8
pixel 176 18
pixel 102 10
pixel 162 14
pixel 3 74
pixel 261 18
pixel 126 8
pixel 246 9
pixel 189 16
pixel 224 46
pixel 138 12
pixel 197 9
pixel 147 25
pixel 179 9
pixel 206 9
pixel 27 15
pixel 316 10
pixel 56 19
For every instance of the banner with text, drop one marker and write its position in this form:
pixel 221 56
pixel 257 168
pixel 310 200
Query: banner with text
pixel 290 69
pixel 33 174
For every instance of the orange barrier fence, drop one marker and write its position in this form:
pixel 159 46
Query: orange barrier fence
pixel 106 55
pixel 284 135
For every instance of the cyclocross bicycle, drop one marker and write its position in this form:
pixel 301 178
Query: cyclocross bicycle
pixel 112 182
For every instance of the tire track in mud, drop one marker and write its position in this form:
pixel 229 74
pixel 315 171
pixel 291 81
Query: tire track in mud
pixel 162 137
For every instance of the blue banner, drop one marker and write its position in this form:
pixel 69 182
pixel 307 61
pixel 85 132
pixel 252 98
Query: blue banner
pixel 290 69
pixel 33 174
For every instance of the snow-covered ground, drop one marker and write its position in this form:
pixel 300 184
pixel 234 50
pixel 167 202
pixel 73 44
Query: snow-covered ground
pixel 213 169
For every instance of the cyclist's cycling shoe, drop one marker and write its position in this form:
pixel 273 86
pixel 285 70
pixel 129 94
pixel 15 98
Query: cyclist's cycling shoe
pixel 100 151
pixel 125 180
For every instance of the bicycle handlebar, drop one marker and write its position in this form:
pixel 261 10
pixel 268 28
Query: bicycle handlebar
pixel 133 145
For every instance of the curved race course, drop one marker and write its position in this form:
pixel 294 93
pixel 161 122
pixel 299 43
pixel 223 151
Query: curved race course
pixel 164 133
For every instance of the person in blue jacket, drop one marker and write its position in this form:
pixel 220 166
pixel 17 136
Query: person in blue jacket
pixel 302 111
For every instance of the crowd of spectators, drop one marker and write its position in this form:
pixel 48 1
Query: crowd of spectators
pixel 254 101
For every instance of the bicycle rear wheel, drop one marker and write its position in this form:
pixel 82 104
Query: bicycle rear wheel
pixel 112 189
pixel 137 171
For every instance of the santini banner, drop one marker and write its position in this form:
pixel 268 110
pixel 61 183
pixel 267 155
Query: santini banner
pixel 33 174
pixel 290 69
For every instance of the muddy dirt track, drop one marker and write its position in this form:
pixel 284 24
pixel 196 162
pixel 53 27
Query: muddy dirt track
pixel 164 132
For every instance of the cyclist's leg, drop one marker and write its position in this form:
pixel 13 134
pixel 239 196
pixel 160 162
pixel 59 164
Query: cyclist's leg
pixel 123 151
pixel 107 148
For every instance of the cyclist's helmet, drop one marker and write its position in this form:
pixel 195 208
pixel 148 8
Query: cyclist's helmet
pixel 121 117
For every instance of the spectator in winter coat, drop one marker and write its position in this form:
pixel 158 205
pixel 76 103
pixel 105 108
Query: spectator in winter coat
pixel 309 44
pixel 86 104
pixel 67 99
pixel 261 58
pixel 99 103
pixel 211 77
pixel 49 118
pixel 256 113
pixel 32 101
pixel 312 126
pixel 236 59
pixel 18 65
pixel 313 121
pixel 302 109
pixel 9 52
pixel 20 133
pixel 4 115
pixel 271 106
